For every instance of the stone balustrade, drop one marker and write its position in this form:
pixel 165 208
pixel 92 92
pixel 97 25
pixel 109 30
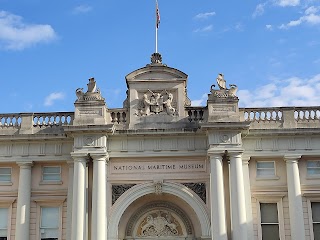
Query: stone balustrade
pixel 52 119
pixel 261 114
pixel 118 115
pixel 260 118
pixel 10 120
pixel 196 114
pixel 302 114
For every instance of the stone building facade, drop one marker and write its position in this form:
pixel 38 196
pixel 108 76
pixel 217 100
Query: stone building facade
pixel 159 168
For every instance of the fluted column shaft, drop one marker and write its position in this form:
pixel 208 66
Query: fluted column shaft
pixel 295 199
pixel 79 199
pixel 247 191
pixel 23 204
pixel 99 218
pixel 217 201
pixel 69 199
pixel 238 203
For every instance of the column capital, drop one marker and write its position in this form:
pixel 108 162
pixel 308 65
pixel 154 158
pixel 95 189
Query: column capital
pixel 235 152
pixel 99 157
pixel 291 158
pixel 246 159
pixel 79 157
pixel 28 164
pixel 215 152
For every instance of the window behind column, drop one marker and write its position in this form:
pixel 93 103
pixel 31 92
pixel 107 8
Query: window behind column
pixel 269 221
pixel 265 169
pixel 5 174
pixel 49 223
pixel 313 168
pixel 315 208
pixel 51 173
pixel 4 223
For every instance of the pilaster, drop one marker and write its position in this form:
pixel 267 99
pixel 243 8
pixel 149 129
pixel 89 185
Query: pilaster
pixel 217 201
pixel 79 198
pixel 295 199
pixel 238 211
pixel 23 204
pixel 247 191
pixel 69 198
pixel 99 213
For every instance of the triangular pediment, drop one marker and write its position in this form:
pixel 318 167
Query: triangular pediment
pixel 158 72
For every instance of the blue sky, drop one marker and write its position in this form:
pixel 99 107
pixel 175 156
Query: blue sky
pixel 48 49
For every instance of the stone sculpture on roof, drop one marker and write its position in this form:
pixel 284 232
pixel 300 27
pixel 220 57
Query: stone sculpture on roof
pixel 92 94
pixel 223 91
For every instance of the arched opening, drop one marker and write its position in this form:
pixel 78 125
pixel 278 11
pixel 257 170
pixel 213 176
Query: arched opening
pixel 175 201
pixel 159 220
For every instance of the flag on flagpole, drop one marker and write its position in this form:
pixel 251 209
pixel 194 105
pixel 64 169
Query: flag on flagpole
pixel 157 15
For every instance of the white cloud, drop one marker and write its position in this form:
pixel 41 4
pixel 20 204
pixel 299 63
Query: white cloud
pixel 287 3
pixel 201 101
pixel 293 91
pixel 269 27
pixel 204 29
pixel 239 27
pixel 259 10
pixel 49 100
pixel 312 10
pixel 17 35
pixel 311 19
pixel 81 9
pixel 204 15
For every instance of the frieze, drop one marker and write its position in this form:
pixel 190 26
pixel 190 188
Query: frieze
pixel 152 167
pixel 225 138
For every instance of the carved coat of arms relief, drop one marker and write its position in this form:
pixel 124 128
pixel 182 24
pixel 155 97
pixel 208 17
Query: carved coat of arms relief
pixel 156 103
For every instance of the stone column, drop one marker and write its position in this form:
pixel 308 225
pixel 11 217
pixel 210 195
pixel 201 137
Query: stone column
pixel 217 201
pixel 295 199
pixel 23 204
pixel 69 199
pixel 238 202
pixel 99 216
pixel 79 199
pixel 247 191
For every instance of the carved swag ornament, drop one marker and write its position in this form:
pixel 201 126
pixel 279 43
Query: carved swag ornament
pixel 156 103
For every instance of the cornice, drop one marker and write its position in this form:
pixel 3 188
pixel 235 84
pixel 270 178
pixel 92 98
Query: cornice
pixel 34 137
pixel 283 132
pixel 80 129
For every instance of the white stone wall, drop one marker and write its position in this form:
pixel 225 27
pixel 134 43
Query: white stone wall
pixel 33 220
pixel 64 221
pixel 286 218
pixel 255 217
pixel 306 218
pixel 13 221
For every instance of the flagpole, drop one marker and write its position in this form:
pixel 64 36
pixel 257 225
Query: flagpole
pixel 157 26
pixel 156 39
